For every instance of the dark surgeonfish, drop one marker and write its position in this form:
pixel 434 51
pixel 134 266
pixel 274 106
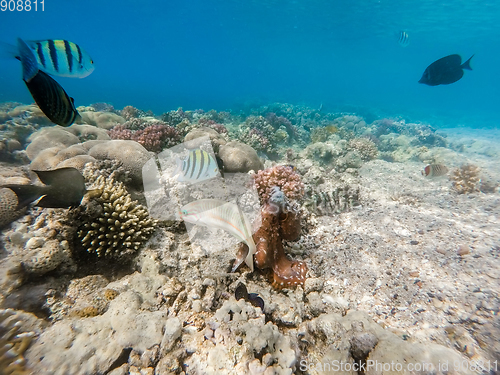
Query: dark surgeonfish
pixel 444 71
pixel 64 187
pixel 53 101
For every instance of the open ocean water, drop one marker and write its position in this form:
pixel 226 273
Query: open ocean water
pixel 372 201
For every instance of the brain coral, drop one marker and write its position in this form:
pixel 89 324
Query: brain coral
pixel 282 176
pixel 113 224
pixel 239 157
pixel 8 204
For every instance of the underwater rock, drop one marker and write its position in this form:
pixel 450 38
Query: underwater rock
pixel 88 132
pixel 103 120
pixel 47 257
pixel 57 157
pixel 45 138
pixel 216 139
pixel 239 157
pixel 131 154
pixel 238 340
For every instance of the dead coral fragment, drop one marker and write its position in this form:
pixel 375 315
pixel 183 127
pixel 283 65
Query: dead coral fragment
pixel 113 223
pixel 466 179
pixel 13 344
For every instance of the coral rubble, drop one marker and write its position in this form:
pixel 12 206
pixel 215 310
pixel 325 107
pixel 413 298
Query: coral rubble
pixel 13 344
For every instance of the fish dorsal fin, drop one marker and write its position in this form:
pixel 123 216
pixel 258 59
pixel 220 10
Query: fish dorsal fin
pixel 61 175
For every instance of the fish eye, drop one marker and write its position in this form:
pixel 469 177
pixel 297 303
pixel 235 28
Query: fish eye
pixel 91 61
pixel 184 212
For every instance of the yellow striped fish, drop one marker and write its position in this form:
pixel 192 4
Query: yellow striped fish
pixel 61 58
pixel 197 166
pixel 47 93
pixel 214 213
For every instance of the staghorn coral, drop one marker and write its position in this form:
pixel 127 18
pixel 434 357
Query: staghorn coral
pixel 113 224
pixel 13 344
pixel 280 221
pixel 282 176
pixel 365 147
pixel 466 179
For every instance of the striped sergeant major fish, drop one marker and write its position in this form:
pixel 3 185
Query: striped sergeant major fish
pixel 60 58
pixel 197 166
pixel 403 38
pixel 214 213
pixel 49 95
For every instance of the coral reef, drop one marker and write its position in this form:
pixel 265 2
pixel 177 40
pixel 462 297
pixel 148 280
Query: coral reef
pixel 282 176
pixel 13 344
pixel 239 157
pixel 103 120
pixel 8 207
pixel 365 147
pixel 280 221
pixel 466 179
pixel 113 224
pixel 154 136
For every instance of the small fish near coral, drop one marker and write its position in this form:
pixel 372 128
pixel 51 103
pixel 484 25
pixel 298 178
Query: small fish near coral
pixel 435 170
pixel 197 166
pixel 242 292
pixel 227 216
pixel 444 71
pixel 49 95
pixel 64 188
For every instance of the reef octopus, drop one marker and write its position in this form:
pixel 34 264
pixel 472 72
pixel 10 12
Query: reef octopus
pixel 280 221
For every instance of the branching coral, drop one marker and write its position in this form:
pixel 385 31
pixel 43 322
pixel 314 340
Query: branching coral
pixel 282 176
pixel 13 343
pixel 154 136
pixel 466 179
pixel 365 147
pixel 157 137
pixel 113 224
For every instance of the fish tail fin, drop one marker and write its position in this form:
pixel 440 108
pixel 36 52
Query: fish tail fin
pixel 26 194
pixel 9 51
pixel 28 60
pixel 466 65
pixel 251 251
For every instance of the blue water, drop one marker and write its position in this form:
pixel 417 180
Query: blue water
pixel 230 54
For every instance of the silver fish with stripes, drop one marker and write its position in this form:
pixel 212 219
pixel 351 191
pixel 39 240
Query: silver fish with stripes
pixel 403 38
pixel 197 166
pixel 61 58
pixel 49 95
pixel 214 213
